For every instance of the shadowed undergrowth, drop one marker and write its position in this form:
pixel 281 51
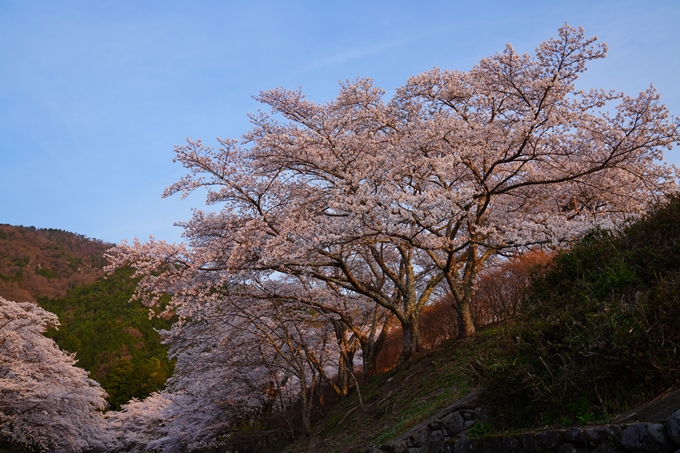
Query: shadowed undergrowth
pixel 599 332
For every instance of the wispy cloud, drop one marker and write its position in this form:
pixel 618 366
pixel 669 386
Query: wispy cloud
pixel 352 53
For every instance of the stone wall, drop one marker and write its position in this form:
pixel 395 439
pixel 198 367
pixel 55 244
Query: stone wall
pixel 446 432
pixel 436 433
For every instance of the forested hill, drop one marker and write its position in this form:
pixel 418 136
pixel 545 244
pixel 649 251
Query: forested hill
pixel 112 338
pixel 46 262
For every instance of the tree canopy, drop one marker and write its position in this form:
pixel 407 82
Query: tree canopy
pixel 392 202
pixel 46 403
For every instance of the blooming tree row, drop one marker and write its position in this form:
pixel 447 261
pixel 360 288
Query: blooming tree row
pixel 395 202
pixel 335 219
pixel 240 361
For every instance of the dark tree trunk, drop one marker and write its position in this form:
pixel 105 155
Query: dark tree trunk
pixel 346 361
pixel 370 349
pixel 466 327
pixel 462 299
pixel 412 339
pixel 344 373
pixel 307 405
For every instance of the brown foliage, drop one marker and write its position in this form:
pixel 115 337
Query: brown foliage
pixel 38 263
pixel 500 289
pixel 438 322
pixel 498 297
pixel 133 332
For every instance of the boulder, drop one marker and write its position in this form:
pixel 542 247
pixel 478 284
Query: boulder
pixel 510 445
pixel 400 447
pixel 529 443
pixel 468 415
pixel 673 427
pixel 418 437
pixel 551 439
pixel 453 423
pixel 570 448
pixel 602 434
pixel 504 444
pixel 463 446
pixel 647 438
pixel 577 436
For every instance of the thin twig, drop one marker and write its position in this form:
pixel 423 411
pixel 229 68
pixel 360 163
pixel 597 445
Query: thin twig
pixel 546 367
pixel 356 383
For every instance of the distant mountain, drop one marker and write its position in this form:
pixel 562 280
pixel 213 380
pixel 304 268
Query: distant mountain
pixel 112 338
pixel 45 262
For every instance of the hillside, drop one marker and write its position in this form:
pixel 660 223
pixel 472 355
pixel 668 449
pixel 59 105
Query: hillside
pixel 46 262
pixel 597 334
pixel 112 338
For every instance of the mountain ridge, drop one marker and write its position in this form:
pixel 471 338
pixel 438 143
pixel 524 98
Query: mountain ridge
pixel 46 262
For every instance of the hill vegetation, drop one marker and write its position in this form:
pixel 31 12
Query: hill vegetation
pixel 599 332
pixel 113 339
pixel 46 262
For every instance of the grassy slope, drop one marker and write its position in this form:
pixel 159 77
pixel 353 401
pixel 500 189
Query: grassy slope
pixel 399 399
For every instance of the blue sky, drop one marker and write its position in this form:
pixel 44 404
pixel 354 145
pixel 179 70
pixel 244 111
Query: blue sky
pixel 94 94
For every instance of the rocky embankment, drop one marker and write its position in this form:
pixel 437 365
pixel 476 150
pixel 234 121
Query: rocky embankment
pixel 447 432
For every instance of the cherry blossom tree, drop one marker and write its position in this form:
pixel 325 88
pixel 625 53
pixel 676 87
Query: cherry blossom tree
pixel 138 424
pixel 398 201
pixel 354 318
pixel 222 378
pixel 238 358
pixel 256 344
pixel 46 403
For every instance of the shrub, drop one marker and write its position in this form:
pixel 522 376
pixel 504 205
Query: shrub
pixel 599 333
